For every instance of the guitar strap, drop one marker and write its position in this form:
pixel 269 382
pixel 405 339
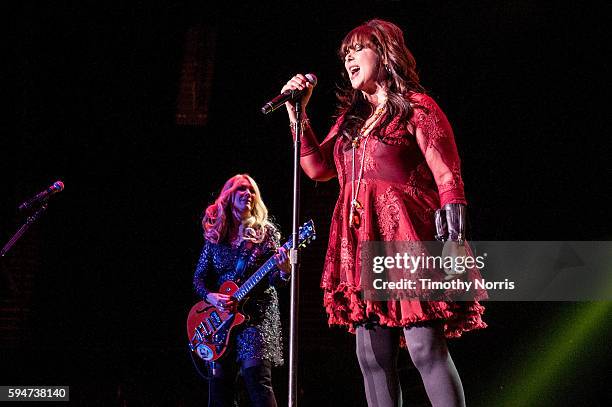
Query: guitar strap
pixel 246 247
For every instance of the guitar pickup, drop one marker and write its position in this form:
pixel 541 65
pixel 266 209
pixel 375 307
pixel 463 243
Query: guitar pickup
pixel 214 319
pixel 203 327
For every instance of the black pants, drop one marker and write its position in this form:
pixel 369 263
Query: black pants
pixel 257 377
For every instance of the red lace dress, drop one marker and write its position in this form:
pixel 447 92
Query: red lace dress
pixel 409 170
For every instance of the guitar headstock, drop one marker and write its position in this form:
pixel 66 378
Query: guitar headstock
pixel 307 233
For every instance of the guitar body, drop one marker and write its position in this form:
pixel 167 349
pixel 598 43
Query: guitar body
pixel 208 328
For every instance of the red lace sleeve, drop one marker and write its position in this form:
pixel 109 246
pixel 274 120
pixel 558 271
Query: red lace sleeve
pixel 317 160
pixel 435 138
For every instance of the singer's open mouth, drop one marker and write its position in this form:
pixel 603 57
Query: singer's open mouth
pixel 354 70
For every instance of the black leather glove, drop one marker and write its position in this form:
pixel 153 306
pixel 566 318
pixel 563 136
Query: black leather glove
pixel 455 220
pixel 450 223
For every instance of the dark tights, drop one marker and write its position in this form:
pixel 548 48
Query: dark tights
pixel 377 351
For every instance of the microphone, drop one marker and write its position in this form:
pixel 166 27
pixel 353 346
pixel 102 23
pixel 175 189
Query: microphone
pixel 42 196
pixel 287 95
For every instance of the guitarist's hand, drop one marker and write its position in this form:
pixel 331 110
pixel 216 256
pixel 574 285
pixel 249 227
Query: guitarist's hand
pixel 222 301
pixel 282 261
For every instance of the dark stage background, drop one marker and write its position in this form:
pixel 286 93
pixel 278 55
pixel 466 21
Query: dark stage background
pixel 95 295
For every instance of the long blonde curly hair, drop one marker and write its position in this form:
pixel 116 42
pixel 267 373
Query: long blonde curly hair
pixel 218 216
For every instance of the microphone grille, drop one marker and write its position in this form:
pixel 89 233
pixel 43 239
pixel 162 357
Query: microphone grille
pixel 58 186
pixel 312 78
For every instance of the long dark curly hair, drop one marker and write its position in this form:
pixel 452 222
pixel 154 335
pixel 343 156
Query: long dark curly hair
pixel 400 78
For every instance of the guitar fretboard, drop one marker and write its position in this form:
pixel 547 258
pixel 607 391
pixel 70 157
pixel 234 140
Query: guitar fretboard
pixel 252 281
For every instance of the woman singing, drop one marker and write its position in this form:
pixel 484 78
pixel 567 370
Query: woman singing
pixel 394 154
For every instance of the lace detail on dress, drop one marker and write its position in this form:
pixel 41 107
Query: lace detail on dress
pixel 455 182
pixel 436 140
pixel 347 260
pixel 394 134
pixel 417 180
pixel 369 161
pixel 428 118
pixel 388 209
pixel 400 194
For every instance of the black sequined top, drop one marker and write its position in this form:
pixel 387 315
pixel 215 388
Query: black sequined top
pixel 260 336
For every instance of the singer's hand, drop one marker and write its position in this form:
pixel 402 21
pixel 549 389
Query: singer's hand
pixel 458 254
pixel 298 82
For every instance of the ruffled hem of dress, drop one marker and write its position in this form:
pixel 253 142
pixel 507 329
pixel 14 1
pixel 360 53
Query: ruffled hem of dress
pixel 345 308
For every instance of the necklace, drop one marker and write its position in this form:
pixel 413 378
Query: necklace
pixel 365 130
pixel 364 133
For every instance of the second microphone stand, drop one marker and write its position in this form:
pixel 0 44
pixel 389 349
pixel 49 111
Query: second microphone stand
pixel 24 227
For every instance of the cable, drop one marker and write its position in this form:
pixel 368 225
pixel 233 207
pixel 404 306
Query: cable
pixel 208 377
pixel 197 368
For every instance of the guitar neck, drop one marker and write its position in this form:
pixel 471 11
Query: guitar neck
pixel 252 281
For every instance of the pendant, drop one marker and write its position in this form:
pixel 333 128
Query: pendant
pixel 356 142
pixel 355 216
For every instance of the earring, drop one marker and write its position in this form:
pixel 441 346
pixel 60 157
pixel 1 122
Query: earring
pixel 387 68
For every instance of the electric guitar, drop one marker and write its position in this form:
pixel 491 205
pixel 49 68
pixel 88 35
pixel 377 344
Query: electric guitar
pixel 209 328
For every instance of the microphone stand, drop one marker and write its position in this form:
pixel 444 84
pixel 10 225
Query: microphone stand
pixel 293 258
pixel 26 225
